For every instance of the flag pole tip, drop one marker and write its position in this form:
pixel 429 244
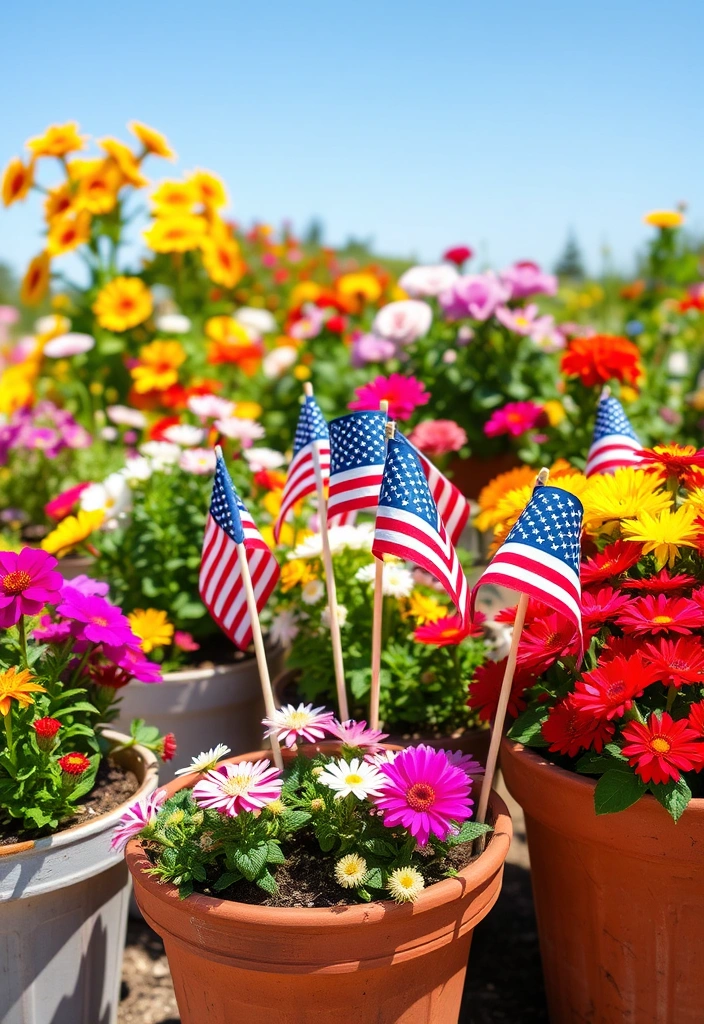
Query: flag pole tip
pixel 605 393
pixel 391 430
pixel 543 475
pixel 384 406
pixel 218 451
pixel 308 389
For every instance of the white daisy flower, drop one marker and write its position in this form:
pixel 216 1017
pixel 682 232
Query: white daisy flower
pixel 162 453
pixel 397 581
pixel 123 416
pixel 137 469
pixel 350 871
pixel 258 321
pixel 312 592
pixel 206 761
pixel 264 458
pixel 405 884
pixel 184 434
pixel 357 777
pixel 173 323
pixel 341 616
pixel 283 629
pixel 113 496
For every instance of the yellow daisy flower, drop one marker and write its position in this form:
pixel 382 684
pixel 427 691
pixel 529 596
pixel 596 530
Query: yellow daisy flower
pixel 624 494
pixel 17 386
pixel 158 366
pixel 17 181
pixel 98 188
pixel 423 608
pixel 58 200
pixel 496 489
pixel 176 233
pixel 152 627
pixel 72 531
pixel 664 219
pixel 152 140
pixel 296 573
pixel 222 260
pixel 36 280
pixel 664 533
pixel 359 286
pixel 57 140
pixel 67 232
pixel 126 161
pixel 16 685
pixel 210 190
pixel 123 303
pixel 174 197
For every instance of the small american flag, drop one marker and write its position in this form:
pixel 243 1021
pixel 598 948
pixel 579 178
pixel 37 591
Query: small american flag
pixel 540 557
pixel 451 502
pixel 409 526
pixel 312 430
pixel 615 442
pixel 357 452
pixel 221 586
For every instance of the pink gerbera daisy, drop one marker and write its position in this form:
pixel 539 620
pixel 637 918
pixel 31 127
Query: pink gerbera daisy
pixel 658 613
pixel 598 608
pixel 232 788
pixel 357 735
pixel 305 722
pixel 137 817
pixel 27 583
pixel 514 419
pixel 424 793
pixel 404 395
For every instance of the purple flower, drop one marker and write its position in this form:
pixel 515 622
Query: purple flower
pixel 137 817
pixel 474 295
pixel 367 348
pixel 526 278
pixel 356 734
pixel 101 622
pixel 131 660
pixel 51 632
pixel 85 585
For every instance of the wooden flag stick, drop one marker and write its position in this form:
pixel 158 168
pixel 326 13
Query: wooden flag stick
pixel 378 619
pixel 335 636
pixel 605 393
pixel 504 695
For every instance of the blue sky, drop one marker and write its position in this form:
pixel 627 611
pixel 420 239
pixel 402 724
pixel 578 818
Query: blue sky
pixel 420 125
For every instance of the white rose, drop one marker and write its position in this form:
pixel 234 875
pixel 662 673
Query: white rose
pixel 403 322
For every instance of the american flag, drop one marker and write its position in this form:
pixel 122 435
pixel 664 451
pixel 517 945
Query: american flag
pixel 615 442
pixel 357 452
pixel 312 430
pixel 409 526
pixel 540 557
pixel 221 586
pixel 451 502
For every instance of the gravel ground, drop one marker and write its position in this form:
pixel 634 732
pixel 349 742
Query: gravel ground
pixel 503 984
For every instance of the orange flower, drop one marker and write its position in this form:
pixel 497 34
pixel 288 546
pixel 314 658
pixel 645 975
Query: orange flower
pixel 126 161
pixel 67 232
pixel 177 233
pixel 36 280
pixel 17 181
pixel 122 303
pixel 152 140
pixel 230 343
pixel 222 260
pixel 601 358
pixel 174 197
pixel 209 189
pixel 97 190
pixel 58 200
pixel 158 366
pixel 57 140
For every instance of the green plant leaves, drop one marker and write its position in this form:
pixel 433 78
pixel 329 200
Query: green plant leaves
pixel 527 727
pixel 674 796
pixel 616 790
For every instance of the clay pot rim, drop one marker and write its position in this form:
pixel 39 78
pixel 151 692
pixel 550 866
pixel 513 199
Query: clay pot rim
pixel 467 880
pixel 584 783
pixel 98 823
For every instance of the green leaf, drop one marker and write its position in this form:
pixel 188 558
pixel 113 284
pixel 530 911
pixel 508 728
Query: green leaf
pixel 87 780
pixel 226 880
pixel 274 853
pixel 81 705
pixel 374 878
pixel 596 764
pixel 185 889
pixel 616 790
pixel 674 796
pixel 527 727
pixel 469 831
pixel 267 882
pixel 251 862
pixel 39 818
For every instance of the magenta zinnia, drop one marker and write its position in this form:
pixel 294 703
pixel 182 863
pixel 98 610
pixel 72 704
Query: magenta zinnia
pixel 424 793
pixel 404 395
pixel 233 788
pixel 27 583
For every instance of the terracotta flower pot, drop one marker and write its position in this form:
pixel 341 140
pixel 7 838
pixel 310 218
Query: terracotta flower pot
pixel 63 917
pixel 202 706
pixel 376 962
pixel 619 899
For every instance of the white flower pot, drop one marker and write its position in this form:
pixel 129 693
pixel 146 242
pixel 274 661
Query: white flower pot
pixel 63 916
pixel 202 707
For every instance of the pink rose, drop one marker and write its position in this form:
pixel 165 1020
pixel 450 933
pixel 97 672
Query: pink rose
pixel 438 437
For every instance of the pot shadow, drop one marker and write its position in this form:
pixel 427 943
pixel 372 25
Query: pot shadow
pixel 88 990
pixel 504 978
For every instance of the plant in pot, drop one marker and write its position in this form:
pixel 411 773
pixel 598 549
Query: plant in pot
pixel 342 888
pixel 151 553
pixel 426 658
pixel 65 780
pixel 621 732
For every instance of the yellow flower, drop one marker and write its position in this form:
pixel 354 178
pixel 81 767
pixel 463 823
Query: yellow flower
pixel 158 367
pixel 123 303
pixel 628 394
pixel 272 502
pixel 98 188
pixel 664 533
pixel 58 200
pixel 210 190
pixel 57 140
pixel 359 286
pixel 664 219
pixel 423 608
pixel 623 495
pixel 296 573
pixel 301 372
pixel 126 161
pixel 36 280
pixel 178 232
pixel 496 489
pixel 174 197
pixel 222 260
pixel 17 386
pixel 555 412
pixel 67 232
pixel 152 627
pixel 17 181
pixel 72 531
pixel 226 329
pixel 306 291
pixel 405 884
pixel 247 410
pixel 57 325
pixel 152 140
pixel 16 685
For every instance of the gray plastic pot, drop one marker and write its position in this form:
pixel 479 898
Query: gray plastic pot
pixel 63 916
pixel 202 707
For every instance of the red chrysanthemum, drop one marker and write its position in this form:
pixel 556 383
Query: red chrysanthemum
pixel 614 560
pixel 570 729
pixel 544 641
pixel 696 718
pixel 449 630
pixel 74 763
pixel 672 459
pixel 661 583
pixel 167 747
pixel 663 748
pixel 609 690
pixel 658 613
pixel 485 687
pixel 602 358
pixel 676 662
pixel 598 607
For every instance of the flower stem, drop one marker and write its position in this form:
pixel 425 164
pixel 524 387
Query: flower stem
pixel 23 640
pixel 671 694
pixel 8 735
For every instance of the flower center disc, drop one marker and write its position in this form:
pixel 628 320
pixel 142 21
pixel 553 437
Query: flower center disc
pixel 662 618
pixel 660 745
pixel 353 780
pixel 236 785
pixel 16 582
pixel 420 796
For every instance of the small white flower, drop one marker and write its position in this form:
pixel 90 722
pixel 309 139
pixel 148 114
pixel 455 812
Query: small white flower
pixel 264 458
pixel 52 322
pixel 108 433
pixel 162 453
pixel 312 592
pixel 397 581
pixel 428 282
pixel 240 429
pixel 67 345
pixel 259 321
pixel 382 758
pixel 677 363
pixel 184 434
pixel 137 469
pixel 123 416
pixel 206 761
pixel 173 323
pixel 350 871
pixel 357 777
pixel 200 461
pixel 341 616
pixel 278 361
pixel 210 407
pixel 405 884
pixel 283 629
pixel 113 496
pixel 366 573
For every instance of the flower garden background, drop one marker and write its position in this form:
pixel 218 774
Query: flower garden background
pixel 157 349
